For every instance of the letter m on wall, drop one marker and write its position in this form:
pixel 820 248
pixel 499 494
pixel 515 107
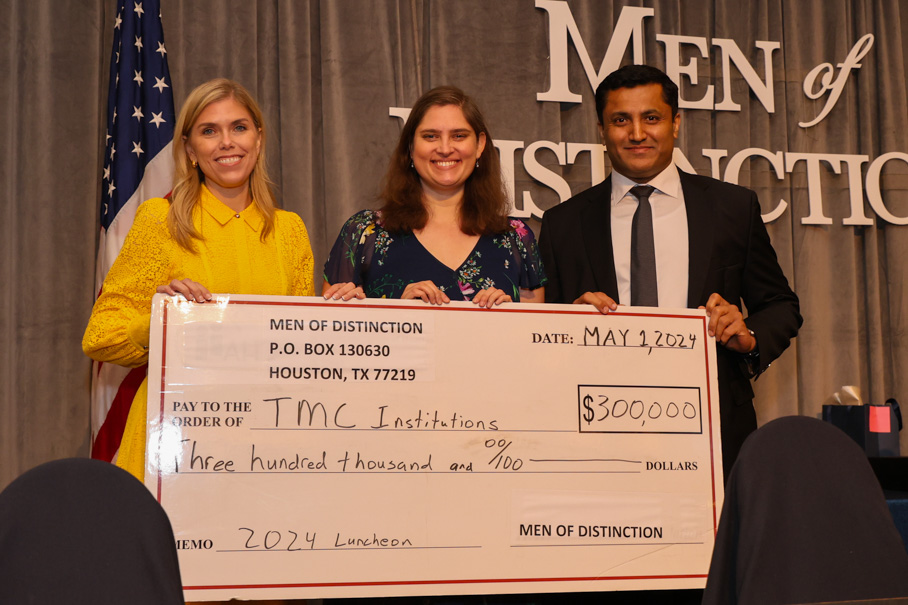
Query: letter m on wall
pixel 562 25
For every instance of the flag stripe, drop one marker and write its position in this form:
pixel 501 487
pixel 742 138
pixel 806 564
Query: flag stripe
pixel 107 442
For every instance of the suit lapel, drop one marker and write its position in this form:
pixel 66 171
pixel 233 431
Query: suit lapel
pixel 698 203
pixel 597 238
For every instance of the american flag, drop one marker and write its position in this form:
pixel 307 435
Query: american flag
pixel 138 164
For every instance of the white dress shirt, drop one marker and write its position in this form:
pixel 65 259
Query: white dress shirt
pixel 669 232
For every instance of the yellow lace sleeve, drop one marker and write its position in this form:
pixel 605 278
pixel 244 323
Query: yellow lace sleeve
pixel 295 243
pixel 117 331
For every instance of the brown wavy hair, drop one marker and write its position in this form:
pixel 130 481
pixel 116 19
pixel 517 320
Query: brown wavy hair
pixel 187 180
pixel 485 206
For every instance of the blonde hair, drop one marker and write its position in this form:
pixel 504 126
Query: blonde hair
pixel 187 179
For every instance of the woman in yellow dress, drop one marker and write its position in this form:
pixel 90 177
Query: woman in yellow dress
pixel 220 231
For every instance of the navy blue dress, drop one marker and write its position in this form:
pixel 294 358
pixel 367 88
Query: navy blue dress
pixel 384 263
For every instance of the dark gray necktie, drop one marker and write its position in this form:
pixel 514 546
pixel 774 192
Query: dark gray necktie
pixel 644 292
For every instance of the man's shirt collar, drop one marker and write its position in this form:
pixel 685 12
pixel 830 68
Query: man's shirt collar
pixel 667 182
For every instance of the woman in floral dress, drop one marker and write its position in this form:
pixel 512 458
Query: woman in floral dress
pixel 442 232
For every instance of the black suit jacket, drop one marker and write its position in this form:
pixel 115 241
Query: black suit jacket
pixel 729 253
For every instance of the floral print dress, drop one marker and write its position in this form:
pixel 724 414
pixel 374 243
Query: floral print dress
pixel 384 263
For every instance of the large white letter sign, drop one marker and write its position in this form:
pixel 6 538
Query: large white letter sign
pixel 561 23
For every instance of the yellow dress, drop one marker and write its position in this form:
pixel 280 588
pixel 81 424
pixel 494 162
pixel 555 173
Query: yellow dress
pixel 230 258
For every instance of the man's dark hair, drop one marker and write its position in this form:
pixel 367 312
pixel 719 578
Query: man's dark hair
pixel 631 76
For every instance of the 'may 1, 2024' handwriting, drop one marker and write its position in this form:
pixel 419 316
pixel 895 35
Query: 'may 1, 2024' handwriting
pixel 617 337
pixel 652 339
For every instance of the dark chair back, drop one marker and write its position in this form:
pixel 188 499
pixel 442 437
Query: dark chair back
pixel 83 531
pixel 804 521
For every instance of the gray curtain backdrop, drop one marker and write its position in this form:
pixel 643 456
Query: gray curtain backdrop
pixel 326 73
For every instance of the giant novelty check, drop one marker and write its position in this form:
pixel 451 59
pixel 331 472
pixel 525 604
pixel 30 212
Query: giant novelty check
pixel 307 449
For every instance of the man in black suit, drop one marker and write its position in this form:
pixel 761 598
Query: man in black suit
pixel 706 239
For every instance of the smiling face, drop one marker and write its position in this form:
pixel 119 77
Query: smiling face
pixel 639 131
pixel 445 150
pixel 225 142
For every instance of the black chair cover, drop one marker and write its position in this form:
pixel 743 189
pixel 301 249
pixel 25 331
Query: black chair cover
pixel 81 531
pixel 804 521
